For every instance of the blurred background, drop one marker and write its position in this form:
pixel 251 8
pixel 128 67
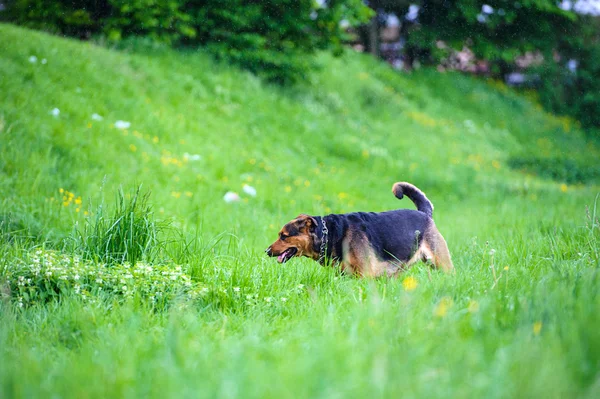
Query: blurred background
pixel 548 46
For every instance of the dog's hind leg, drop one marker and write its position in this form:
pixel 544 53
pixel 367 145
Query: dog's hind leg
pixel 438 254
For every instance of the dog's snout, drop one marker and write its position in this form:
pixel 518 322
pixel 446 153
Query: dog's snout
pixel 268 251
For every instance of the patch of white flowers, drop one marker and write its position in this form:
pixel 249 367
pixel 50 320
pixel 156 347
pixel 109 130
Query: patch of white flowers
pixel 45 274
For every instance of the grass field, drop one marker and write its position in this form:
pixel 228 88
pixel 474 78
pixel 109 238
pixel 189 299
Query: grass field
pixel 205 313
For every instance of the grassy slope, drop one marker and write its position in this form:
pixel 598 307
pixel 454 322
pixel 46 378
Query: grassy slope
pixel 335 146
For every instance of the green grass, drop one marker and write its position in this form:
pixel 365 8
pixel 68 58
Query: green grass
pixel 519 318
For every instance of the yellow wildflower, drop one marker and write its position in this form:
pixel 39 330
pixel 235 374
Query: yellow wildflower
pixel 188 194
pixel 496 164
pixel 443 306
pixel 155 139
pixel 342 195
pixel 563 188
pixel 288 189
pixel 78 201
pixel 176 194
pixel 409 283
pixel 537 327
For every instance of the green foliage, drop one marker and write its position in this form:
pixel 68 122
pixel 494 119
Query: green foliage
pixel 575 93
pixel 130 234
pixel 161 21
pixel 512 29
pixel 272 38
pixel 79 18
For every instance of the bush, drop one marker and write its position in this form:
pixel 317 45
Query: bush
pixel 271 38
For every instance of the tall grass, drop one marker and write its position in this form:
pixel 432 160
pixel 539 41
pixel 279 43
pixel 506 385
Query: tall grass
pixel 128 233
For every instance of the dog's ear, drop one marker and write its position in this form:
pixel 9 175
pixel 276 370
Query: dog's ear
pixel 306 222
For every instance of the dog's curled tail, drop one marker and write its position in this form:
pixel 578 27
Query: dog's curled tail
pixel 417 196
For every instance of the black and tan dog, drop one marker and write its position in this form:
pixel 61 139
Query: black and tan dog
pixel 368 243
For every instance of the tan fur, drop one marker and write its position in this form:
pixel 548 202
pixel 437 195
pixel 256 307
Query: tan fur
pixel 358 257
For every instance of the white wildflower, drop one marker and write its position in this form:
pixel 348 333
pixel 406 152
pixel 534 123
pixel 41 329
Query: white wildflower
pixel 33 59
pixel 492 252
pixel 49 273
pixel 283 299
pixel 76 277
pixel 487 9
pixel 55 112
pixel 300 286
pixel 122 124
pixel 249 190
pixel 268 299
pixel 96 117
pixel 124 288
pixel 99 280
pixel 236 289
pixel 192 157
pixel 230 196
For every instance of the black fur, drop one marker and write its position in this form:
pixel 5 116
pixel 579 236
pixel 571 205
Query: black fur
pixel 393 235
pixel 417 196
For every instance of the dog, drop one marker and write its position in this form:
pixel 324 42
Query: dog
pixel 368 244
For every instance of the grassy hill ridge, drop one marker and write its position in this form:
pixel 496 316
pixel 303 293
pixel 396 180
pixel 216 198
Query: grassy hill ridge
pixel 518 318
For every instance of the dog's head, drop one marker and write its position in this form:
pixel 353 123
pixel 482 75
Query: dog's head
pixel 296 238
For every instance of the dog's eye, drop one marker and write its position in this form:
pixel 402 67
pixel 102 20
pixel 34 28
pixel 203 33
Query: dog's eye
pixel 283 236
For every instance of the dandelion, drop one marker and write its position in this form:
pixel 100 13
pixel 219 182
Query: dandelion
pixel 55 112
pixel 249 190
pixel 564 188
pixel 33 59
pixel 443 306
pixel 409 283
pixel 537 327
pixel 342 195
pixel 122 124
pixel 505 267
pixel 230 196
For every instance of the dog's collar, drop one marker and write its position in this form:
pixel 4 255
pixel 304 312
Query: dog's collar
pixel 324 236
